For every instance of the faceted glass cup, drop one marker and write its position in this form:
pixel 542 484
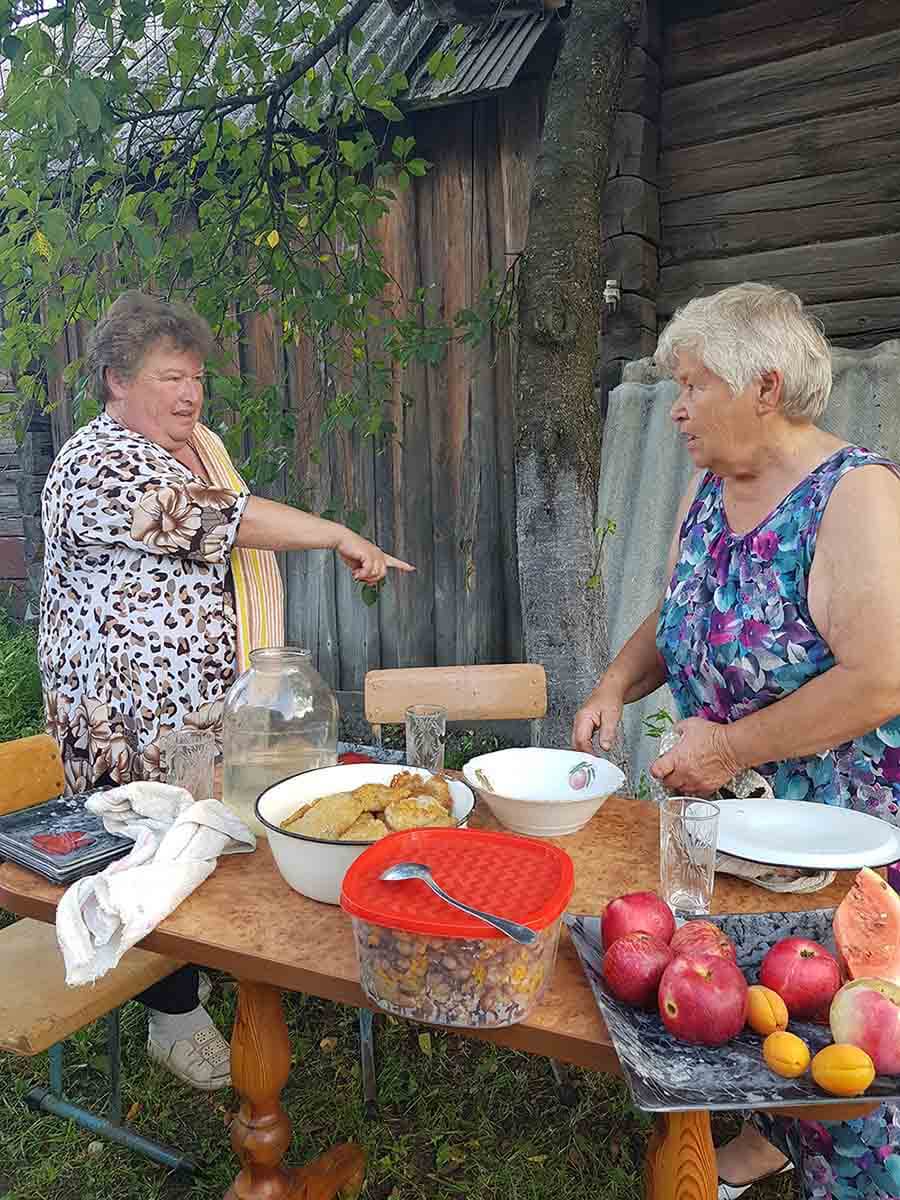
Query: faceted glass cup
pixel 187 760
pixel 426 730
pixel 688 832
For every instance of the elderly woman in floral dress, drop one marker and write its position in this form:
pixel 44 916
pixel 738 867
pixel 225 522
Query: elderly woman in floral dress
pixel 159 578
pixel 778 634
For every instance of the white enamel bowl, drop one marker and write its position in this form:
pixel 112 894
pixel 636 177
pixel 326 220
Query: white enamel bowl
pixel 544 793
pixel 316 867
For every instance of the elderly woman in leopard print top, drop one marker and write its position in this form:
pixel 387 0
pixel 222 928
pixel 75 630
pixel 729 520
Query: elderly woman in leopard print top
pixel 138 629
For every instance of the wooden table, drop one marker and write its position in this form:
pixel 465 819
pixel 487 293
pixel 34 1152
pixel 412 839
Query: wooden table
pixel 247 921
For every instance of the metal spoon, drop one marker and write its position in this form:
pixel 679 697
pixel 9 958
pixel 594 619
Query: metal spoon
pixel 411 870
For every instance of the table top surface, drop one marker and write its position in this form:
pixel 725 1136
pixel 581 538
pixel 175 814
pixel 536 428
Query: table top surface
pixel 246 920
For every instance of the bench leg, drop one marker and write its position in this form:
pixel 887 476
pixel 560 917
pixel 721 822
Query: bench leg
pixel 42 1100
pixel 681 1159
pixel 51 1100
pixel 114 1054
pixel 55 1055
pixel 367 1060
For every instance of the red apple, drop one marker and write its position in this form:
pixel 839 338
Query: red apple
pixel 638 912
pixel 803 974
pixel 703 999
pixel 633 967
pixel 866 1013
pixel 702 937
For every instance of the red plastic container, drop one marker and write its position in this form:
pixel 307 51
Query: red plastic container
pixel 424 959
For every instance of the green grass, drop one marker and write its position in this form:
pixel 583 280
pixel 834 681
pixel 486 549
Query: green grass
pixel 456 1118
pixel 21 709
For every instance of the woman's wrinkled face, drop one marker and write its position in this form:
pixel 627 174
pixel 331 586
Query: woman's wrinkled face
pixel 164 397
pixel 719 428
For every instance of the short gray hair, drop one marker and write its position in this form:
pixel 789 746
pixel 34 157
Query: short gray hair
pixel 133 325
pixel 743 331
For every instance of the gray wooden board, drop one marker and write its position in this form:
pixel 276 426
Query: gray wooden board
pixel 728 47
pixel 822 146
pixel 858 75
pixel 667 1075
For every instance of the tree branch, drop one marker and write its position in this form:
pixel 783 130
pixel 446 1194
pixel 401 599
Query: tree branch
pixel 284 81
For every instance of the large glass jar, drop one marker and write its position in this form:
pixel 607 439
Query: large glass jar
pixel 280 718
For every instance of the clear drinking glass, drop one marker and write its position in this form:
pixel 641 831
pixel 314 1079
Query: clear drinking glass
pixel 426 729
pixel 688 830
pixel 187 760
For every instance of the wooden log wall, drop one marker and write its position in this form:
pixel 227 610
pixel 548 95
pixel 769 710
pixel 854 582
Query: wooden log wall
pixel 630 222
pixel 440 493
pixel 780 155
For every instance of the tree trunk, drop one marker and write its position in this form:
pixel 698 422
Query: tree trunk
pixel 557 420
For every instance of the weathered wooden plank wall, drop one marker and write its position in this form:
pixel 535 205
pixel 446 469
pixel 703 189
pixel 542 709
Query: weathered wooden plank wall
pixel 441 492
pixel 780 136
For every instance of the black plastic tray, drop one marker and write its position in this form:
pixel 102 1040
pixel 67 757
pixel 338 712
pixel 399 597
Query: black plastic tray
pixel 666 1075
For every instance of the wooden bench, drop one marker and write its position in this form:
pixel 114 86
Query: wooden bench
pixel 38 1010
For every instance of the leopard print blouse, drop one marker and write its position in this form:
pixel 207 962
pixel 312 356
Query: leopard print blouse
pixel 137 626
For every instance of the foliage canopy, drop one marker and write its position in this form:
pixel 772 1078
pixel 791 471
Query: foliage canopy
pixel 235 154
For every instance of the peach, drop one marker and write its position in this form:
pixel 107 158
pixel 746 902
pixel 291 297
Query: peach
pixel 786 1054
pixel 843 1070
pixel 866 1013
pixel 766 1011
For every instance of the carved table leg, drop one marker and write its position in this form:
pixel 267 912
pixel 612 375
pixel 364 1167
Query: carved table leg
pixel 261 1131
pixel 681 1159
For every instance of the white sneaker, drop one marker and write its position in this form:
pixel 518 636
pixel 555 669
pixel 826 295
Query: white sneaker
pixel 202 1061
pixel 731 1191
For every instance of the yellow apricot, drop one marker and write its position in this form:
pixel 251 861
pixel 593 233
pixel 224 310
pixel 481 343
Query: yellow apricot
pixel 786 1054
pixel 843 1070
pixel 766 1011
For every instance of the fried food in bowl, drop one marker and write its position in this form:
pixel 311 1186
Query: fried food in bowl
pixel 321 821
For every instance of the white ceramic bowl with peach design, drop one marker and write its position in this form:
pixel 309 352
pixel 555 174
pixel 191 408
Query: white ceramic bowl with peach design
pixel 543 793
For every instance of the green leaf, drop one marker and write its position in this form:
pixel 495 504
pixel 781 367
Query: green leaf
pixel 356 36
pixel 55 16
pixel 15 196
pixel 369 595
pixel 350 151
pixel 425 1044
pixel 11 45
pixel 143 241
pixel 85 104
pixel 417 166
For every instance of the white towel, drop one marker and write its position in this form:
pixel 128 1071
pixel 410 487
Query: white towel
pixel 176 846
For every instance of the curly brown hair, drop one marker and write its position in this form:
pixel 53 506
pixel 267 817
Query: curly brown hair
pixel 132 326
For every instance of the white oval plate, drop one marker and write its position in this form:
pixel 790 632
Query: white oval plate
pixel 800 833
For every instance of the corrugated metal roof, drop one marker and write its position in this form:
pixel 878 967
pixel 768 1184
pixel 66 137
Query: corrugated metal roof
pixel 487 60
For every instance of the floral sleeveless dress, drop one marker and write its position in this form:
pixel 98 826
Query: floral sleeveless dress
pixel 736 634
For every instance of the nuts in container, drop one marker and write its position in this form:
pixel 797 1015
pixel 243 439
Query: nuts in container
pixel 420 958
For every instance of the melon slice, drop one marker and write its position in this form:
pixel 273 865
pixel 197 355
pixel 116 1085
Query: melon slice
pixel 867 929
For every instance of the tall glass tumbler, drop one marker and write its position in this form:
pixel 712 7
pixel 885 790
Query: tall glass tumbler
pixel 187 758
pixel 426 731
pixel 688 831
